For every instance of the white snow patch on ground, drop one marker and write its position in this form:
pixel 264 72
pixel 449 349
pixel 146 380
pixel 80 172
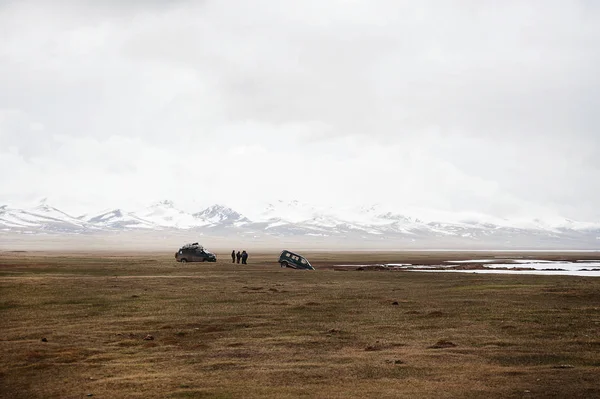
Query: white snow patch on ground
pixel 493 261
pixel 544 266
pixel 474 261
pixel 398 265
pixel 589 268
pixel 540 272
pixel 528 261
pixel 357 265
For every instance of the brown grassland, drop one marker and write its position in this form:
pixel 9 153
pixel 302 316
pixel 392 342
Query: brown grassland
pixel 243 331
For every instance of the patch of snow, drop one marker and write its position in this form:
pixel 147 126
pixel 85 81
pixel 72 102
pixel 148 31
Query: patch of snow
pixel 499 261
pixel 527 261
pixel 536 272
pixel 473 261
pixel 372 264
pixel 165 214
pixel 219 214
pixel 276 224
pixel 11 220
pixel 544 266
pixel 138 226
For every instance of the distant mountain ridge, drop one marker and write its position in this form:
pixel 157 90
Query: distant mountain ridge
pixel 221 214
pixel 294 219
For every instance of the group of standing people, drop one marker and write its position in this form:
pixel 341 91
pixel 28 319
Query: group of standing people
pixel 239 255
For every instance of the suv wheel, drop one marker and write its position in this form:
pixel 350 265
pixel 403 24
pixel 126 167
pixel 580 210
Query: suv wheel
pixel 284 264
pixel 184 260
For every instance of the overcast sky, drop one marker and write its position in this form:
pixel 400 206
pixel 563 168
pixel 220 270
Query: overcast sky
pixel 483 106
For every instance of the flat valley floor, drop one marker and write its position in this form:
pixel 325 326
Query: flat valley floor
pixel 118 325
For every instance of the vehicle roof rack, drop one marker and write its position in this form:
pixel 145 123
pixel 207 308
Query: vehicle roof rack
pixel 192 246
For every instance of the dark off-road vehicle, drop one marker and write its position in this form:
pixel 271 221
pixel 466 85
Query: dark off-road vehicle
pixel 294 261
pixel 194 253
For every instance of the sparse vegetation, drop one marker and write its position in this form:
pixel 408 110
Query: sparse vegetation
pixel 231 331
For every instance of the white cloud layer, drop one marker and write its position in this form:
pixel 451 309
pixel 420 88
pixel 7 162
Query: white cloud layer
pixel 470 106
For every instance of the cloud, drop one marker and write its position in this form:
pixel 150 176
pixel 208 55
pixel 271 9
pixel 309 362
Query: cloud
pixel 476 106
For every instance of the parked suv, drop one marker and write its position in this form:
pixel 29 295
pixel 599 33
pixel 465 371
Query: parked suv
pixel 194 253
pixel 294 261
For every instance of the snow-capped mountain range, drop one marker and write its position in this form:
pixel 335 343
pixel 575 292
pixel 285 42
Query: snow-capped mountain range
pixel 292 219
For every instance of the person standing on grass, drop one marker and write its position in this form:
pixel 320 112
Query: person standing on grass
pixel 244 257
pixel 238 256
pixel 233 256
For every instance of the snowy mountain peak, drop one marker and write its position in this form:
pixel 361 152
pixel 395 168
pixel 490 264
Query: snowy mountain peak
pixel 106 216
pixel 117 219
pixel 395 217
pixel 165 214
pixel 291 211
pixel 369 208
pixel 220 214
pixel 44 206
pixel 164 204
pixel 42 217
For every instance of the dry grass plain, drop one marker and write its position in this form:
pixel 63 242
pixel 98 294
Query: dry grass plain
pixel 231 331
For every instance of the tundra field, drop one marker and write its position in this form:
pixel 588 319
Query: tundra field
pixel 117 325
